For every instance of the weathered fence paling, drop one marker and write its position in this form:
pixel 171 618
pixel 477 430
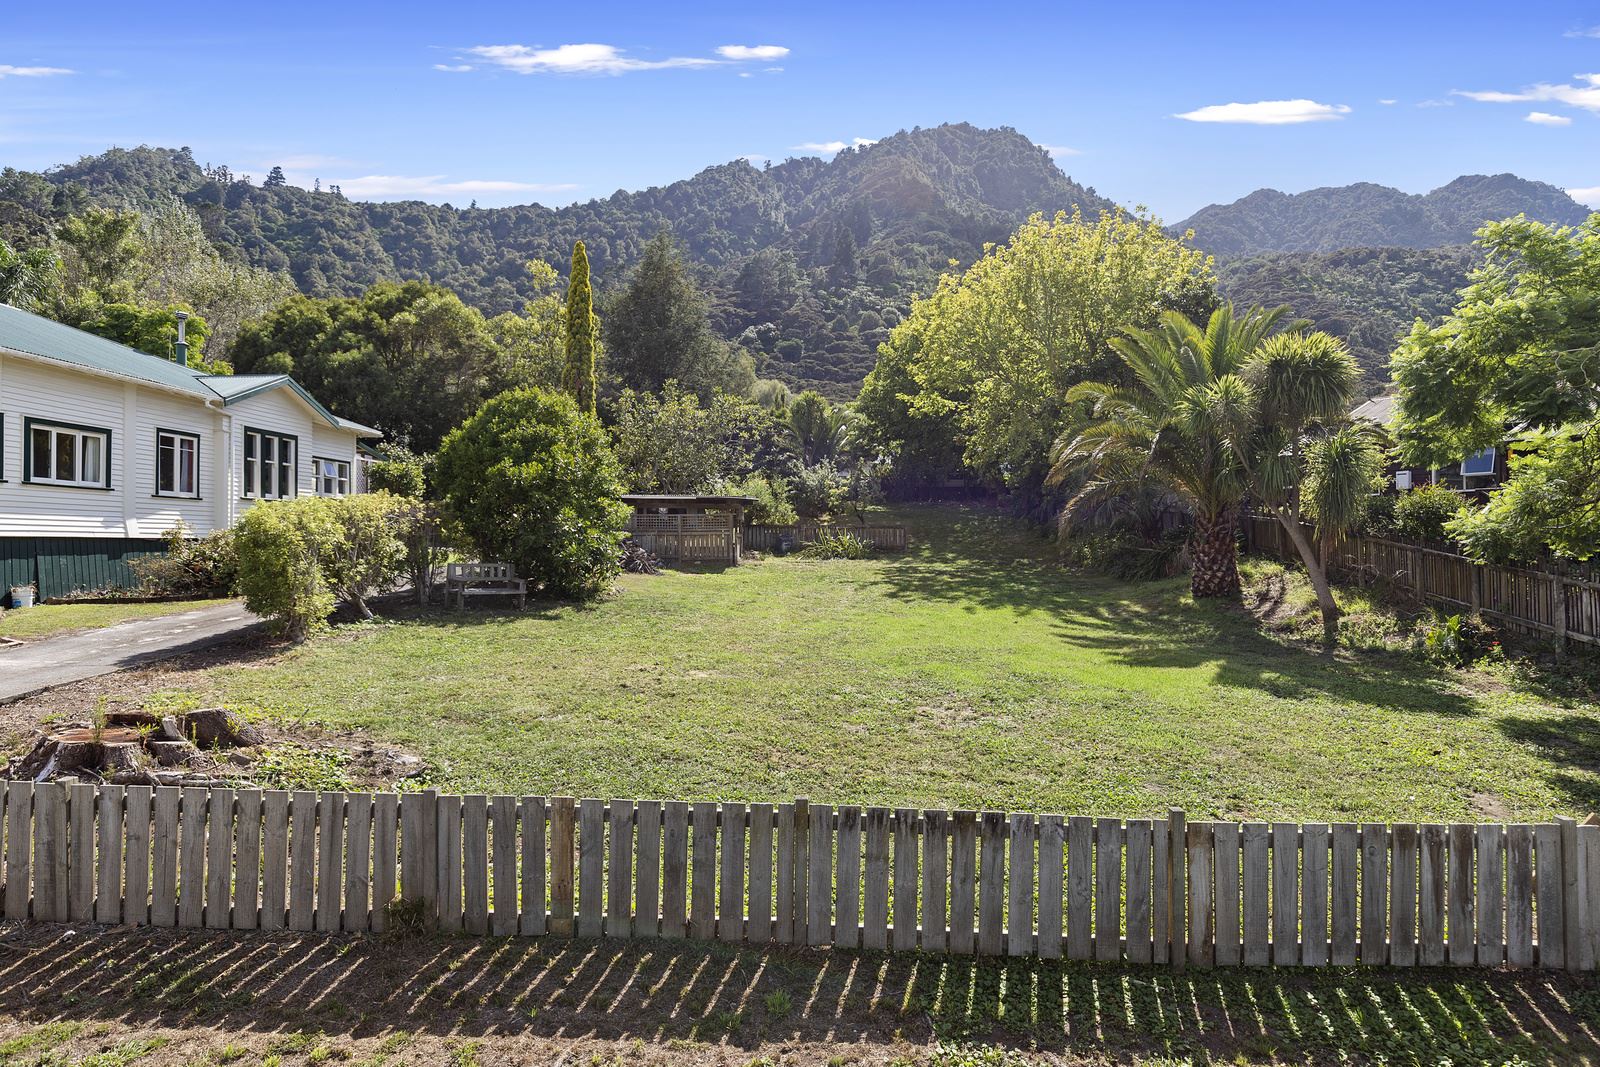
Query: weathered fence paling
pixel 1198 894
pixel 889 537
pixel 1555 602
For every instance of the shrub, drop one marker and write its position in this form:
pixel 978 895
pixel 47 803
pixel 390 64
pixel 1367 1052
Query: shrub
pixel 191 566
pixel 816 490
pixel 1454 640
pixel 298 558
pixel 771 496
pixel 533 483
pixel 1420 515
pixel 400 471
pixel 1378 518
pixel 842 545
pixel 1126 556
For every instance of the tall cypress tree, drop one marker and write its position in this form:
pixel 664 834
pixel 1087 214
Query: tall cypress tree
pixel 583 334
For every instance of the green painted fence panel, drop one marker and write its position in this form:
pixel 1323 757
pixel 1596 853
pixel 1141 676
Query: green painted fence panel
pixel 58 566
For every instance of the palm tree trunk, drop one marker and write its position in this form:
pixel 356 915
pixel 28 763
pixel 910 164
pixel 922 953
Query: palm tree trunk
pixel 1216 557
pixel 1316 570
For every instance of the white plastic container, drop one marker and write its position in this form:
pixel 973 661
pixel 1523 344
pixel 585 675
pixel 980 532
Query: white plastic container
pixel 22 596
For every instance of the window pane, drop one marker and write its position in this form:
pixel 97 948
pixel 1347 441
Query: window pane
pixel 41 444
pixel 249 464
pixel 286 468
pixel 166 464
pixel 186 465
pixel 66 457
pixel 92 448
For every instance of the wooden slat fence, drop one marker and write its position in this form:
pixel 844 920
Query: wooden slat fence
pixel 1562 601
pixel 888 537
pixel 1163 891
pixel 708 538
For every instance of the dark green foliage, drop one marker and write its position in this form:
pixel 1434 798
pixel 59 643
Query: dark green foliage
pixel 658 329
pixel 1420 514
pixel 533 482
pixel 191 567
pixel 410 359
pixel 400 471
pixel 578 375
pixel 1368 215
pixel 1369 297
pixel 911 203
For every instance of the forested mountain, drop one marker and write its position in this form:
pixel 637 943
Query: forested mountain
pixel 1365 215
pixel 828 252
pixel 1368 296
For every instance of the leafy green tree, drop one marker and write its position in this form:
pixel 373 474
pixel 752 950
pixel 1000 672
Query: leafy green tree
pixel 578 375
pixel 275 178
pixel 153 330
pixel 534 342
pixel 102 249
pixel 658 329
pixel 818 428
pixel 667 442
pixel 532 481
pixel 408 358
pixel 400 471
pixel 999 347
pixel 28 279
pixel 1520 354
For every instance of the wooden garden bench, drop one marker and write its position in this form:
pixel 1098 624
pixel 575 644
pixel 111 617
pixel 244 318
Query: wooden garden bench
pixel 483 579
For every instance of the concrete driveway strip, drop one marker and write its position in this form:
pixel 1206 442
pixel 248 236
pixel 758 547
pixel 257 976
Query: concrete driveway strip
pixel 53 661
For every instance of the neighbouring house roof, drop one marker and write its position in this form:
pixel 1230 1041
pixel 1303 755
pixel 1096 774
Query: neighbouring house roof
pixel 34 335
pixel 1383 410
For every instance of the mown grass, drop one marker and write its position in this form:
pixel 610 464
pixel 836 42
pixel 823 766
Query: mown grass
pixel 971 671
pixel 49 620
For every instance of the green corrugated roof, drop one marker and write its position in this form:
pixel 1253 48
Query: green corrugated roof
pixel 34 335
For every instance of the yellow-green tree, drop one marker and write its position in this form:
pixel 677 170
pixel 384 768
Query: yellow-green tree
pixel 994 351
pixel 578 377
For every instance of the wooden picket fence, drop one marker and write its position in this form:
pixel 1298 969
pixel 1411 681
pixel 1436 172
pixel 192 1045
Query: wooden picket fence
pixel 1562 600
pixel 990 883
pixel 886 536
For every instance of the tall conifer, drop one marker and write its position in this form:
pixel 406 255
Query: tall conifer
pixel 583 334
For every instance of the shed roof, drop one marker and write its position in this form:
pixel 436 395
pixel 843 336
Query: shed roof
pixel 1382 410
pixel 681 499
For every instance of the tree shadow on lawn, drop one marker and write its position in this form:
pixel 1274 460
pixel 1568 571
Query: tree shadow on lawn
pixel 1571 744
pixel 1149 625
pixel 563 992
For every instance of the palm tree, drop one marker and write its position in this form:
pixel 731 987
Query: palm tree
pixel 1305 459
pixel 27 278
pixel 1178 425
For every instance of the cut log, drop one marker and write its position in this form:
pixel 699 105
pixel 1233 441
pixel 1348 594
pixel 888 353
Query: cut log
pixel 129 717
pixel 172 753
pixel 215 728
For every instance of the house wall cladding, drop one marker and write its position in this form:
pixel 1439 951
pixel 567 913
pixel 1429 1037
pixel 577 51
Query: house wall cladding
pixel 61 565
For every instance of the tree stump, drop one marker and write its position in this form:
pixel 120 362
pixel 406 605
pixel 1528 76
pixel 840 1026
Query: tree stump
pixel 79 748
pixel 215 728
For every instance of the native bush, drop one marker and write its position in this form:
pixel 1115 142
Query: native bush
pixel 533 482
pixel 817 490
pixel 771 496
pixel 400 471
pixel 191 566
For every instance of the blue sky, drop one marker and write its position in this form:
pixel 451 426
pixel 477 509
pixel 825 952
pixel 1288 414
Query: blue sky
pixel 517 102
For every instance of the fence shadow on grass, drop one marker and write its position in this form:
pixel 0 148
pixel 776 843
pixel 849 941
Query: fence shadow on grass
pixel 662 992
pixel 1146 625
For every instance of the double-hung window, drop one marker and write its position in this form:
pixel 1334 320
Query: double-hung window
pixel 333 477
pixel 177 464
pixel 62 454
pixel 269 465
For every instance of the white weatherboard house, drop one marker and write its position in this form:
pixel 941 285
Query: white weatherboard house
pixel 103 449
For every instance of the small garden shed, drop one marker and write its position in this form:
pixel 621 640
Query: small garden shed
pixel 685 527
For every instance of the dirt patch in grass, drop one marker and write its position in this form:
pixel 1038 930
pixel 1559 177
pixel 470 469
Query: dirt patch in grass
pixel 165 997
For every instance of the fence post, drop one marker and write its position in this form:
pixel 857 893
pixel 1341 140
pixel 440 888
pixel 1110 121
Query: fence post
pixel 1558 613
pixel 1177 887
pixel 1571 903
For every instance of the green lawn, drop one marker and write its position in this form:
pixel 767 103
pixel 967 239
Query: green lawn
pixel 971 671
pixel 48 620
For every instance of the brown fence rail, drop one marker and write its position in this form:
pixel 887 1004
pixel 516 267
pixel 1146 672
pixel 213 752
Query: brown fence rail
pixel 1559 602
pixel 988 883
pixel 766 538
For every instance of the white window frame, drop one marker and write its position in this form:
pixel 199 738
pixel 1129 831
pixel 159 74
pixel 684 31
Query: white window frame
pixel 177 439
pixel 263 465
pixel 80 437
pixel 340 477
pixel 1492 455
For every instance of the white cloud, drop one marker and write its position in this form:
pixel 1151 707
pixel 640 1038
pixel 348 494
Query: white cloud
pixel 454 68
pixel 1589 195
pixel 1592 31
pixel 1388 102
pixel 828 148
pixel 1436 103
pixel 397 186
pixel 605 58
pixel 577 59
pixel 764 52
pixel 9 71
pixel 1544 118
pixel 1060 151
pixel 1585 95
pixel 1267 112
